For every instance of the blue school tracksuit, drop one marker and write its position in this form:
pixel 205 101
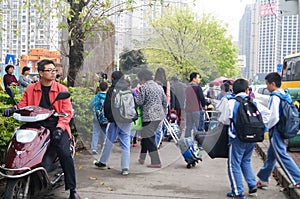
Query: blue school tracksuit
pixel 277 149
pixel 239 155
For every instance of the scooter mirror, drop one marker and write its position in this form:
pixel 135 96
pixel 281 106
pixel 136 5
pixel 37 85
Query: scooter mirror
pixel 62 95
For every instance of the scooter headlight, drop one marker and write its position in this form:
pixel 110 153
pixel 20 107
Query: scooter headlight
pixel 25 136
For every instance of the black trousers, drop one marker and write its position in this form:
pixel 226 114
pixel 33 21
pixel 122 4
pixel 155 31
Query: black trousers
pixel 63 151
pixel 148 142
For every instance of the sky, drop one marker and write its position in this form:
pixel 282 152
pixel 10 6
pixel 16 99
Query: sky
pixel 229 11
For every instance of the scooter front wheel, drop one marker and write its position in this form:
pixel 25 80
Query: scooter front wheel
pixel 15 188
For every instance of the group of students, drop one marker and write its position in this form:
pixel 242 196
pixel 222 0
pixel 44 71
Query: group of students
pixel 156 97
pixel 151 98
pixel 239 152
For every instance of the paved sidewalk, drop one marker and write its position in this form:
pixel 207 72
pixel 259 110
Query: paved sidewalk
pixel 278 172
pixel 208 180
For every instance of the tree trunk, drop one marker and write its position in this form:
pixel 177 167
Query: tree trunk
pixel 76 41
pixel 75 62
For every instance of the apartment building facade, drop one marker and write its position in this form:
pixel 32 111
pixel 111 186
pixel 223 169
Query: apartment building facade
pixel 273 34
pixel 24 28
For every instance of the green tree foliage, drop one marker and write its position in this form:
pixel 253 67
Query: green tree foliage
pixel 183 43
pixel 131 60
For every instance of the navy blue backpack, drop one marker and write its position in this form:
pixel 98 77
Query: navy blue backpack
pixel 288 125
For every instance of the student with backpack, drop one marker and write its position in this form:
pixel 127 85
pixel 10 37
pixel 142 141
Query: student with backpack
pixel 99 119
pixel 241 111
pixel 119 109
pixel 277 149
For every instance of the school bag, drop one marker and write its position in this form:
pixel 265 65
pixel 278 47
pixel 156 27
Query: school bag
pixel 288 125
pixel 100 113
pixel 124 102
pixel 248 124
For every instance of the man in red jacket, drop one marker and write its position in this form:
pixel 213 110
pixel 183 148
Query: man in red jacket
pixel 42 93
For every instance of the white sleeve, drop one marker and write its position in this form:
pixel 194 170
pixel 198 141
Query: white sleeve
pixel 264 111
pixel 274 110
pixel 225 111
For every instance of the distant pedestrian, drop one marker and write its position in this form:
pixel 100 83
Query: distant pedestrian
pixel 135 90
pixel 194 105
pixel 277 149
pixel 222 93
pixel 178 100
pixel 24 78
pixel 224 100
pixel 239 157
pixel 230 86
pixel 152 100
pixel 9 79
pixel 160 77
pixel 211 91
pixel 99 120
pixel 251 94
pixel 117 126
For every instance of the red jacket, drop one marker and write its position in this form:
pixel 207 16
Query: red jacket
pixel 33 95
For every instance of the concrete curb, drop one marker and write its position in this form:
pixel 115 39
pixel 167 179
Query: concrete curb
pixel 278 172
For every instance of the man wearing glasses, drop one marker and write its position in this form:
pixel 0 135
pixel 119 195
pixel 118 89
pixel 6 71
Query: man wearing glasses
pixel 42 93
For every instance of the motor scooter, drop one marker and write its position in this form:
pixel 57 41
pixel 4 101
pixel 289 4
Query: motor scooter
pixel 31 164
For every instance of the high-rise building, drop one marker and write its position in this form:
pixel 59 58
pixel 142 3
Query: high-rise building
pixel 26 28
pixel 245 33
pixel 274 33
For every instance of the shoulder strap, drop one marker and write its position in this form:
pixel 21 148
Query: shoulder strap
pixel 281 99
pixel 276 93
pixel 241 99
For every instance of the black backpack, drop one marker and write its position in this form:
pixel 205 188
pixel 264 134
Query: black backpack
pixel 248 122
pixel 288 125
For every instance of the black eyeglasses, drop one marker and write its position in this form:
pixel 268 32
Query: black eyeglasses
pixel 51 70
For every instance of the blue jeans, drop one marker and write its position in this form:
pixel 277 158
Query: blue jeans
pixel 194 119
pixel 121 130
pixel 98 132
pixel 277 152
pixel 239 165
pixel 159 134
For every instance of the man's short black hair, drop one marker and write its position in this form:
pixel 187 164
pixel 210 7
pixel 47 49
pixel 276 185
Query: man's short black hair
pixel 240 85
pixel 116 75
pixel 226 87
pixel 194 75
pixel 41 64
pixel 274 77
pixel 103 86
